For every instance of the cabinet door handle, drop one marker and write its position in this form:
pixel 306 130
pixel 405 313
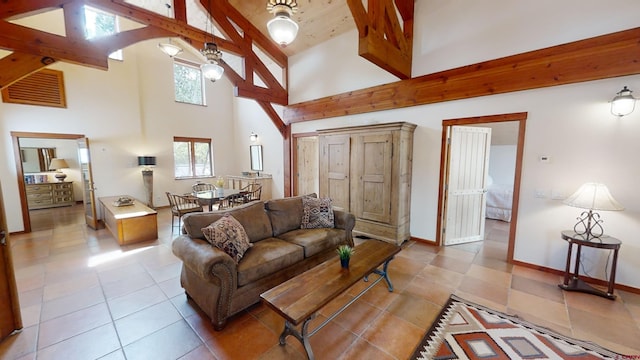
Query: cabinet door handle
pixel 3 238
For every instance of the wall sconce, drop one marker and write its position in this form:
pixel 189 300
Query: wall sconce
pixel 624 103
pixel 147 176
pixel 592 196
pixel 281 28
pixel 253 137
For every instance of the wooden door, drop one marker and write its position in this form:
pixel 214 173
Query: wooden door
pixel 307 162
pixel 371 187
pixel 88 189
pixel 468 159
pixel 10 318
pixel 334 169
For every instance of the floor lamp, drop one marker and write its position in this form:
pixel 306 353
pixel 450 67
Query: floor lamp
pixel 147 176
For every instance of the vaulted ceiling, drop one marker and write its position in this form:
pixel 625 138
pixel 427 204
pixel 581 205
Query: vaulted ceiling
pixel 385 29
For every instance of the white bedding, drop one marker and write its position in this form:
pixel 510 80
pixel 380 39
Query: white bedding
pixel 499 200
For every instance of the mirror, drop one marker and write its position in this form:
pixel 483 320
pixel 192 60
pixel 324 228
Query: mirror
pixel 35 160
pixel 256 157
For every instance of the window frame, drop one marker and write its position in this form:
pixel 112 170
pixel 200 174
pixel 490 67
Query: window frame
pixel 192 161
pixel 190 64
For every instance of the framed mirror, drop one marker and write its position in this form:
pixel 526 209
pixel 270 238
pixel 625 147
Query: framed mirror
pixel 35 160
pixel 256 157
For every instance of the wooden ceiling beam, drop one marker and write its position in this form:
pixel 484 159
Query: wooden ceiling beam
pixel 21 65
pixel 383 40
pixel 612 55
pixel 12 9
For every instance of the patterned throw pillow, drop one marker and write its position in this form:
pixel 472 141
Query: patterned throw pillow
pixel 228 235
pixel 316 213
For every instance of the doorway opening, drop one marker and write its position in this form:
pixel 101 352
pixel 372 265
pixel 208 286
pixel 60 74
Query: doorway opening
pixel 19 140
pixel 486 121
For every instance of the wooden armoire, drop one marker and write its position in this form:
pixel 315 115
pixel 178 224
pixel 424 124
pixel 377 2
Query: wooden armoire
pixel 366 170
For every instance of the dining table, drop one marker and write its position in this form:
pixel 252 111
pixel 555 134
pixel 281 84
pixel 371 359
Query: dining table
pixel 213 196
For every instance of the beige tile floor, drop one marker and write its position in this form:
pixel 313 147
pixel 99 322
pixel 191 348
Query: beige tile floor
pixel 84 297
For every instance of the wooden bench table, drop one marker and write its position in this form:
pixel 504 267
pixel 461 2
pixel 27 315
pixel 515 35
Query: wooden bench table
pixel 129 224
pixel 299 299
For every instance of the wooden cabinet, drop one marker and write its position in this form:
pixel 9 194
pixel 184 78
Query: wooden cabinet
pixel 129 224
pixel 48 195
pixel 366 170
pixel 239 182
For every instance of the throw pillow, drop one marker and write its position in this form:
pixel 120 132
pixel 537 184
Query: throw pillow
pixel 316 213
pixel 228 235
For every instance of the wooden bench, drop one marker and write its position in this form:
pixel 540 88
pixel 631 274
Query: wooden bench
pixel 129 224
pixel 299 299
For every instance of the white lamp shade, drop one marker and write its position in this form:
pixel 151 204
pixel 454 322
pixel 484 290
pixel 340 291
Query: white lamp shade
pixel 593 196
pixel 282 29
pixel 57 164
pixel 212 71
pixel 624 103
pixel 170 49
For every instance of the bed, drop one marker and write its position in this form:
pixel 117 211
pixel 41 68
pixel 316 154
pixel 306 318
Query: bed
pixel 499 200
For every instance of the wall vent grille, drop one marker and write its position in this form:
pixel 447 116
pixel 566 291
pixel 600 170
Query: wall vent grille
pixel 45 88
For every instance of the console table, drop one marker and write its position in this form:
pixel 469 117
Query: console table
pixel 298 299
pixel 572 281
pixel 129 224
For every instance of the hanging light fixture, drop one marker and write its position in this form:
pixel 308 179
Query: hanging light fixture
pixel 169 48
pixel 623 103
pixel 282 29
pixel 211 70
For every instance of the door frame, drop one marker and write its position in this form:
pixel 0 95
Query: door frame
pixel 294 160
pixel 22 190
pixel 446 124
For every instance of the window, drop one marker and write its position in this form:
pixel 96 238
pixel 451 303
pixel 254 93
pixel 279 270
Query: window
pixel 98 24
pixel 192 157
pixel 188 83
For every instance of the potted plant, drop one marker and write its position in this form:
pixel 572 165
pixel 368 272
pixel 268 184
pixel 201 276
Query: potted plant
pixel 345 252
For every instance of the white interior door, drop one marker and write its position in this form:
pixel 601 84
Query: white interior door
pixel 465 185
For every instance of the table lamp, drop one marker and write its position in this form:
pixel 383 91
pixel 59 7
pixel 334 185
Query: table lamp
pixel 57 164
pixel 147 162
pixel 592 196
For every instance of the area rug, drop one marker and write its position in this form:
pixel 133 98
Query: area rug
pixel 465 330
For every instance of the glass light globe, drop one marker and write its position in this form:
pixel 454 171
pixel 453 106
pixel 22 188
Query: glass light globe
pixel 212 71
pixel 282 29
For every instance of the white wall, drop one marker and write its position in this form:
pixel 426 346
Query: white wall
pixel 570 123
pixel 502 163
pixel 125 112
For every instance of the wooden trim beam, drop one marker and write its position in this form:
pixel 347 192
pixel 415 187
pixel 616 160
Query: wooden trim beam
pixel 383 40
pixel 606 56
pixel 21 65
pixel 275 118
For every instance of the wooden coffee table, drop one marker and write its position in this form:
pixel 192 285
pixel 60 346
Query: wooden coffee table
pixel 299 299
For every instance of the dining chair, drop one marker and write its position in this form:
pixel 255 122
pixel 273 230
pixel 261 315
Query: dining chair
pixel 195 188
pixel 180 205
pixel 251 192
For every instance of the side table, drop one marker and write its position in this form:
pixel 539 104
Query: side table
pixel 572 281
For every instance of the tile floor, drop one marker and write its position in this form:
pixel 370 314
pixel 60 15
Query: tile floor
pixel 84 297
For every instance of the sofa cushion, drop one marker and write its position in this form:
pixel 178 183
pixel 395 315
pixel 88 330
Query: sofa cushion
pixel 285 214
pixel 228 235
pixel 315 240
pixel 316 213
pixel 252 217
pixel 267 257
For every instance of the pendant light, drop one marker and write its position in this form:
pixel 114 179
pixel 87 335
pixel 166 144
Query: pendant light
pixel 282 29
pixel 169 48
pixel 211 69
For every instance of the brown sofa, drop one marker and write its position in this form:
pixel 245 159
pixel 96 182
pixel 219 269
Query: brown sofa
pixel 280 250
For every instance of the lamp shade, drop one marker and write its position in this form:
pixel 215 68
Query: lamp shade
pixel 593 196
pixel 170 48
pixel 146 160
pixel 624 103
pixel 212 71
pixel 282 29
pixel 57 164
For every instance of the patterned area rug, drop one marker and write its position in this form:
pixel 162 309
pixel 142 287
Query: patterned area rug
pixel 465 330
